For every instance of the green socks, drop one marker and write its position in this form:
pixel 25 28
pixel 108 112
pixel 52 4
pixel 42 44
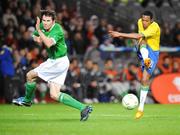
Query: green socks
pixel 30 88
pixel 124 93
pixel 68 100
pixel 64 98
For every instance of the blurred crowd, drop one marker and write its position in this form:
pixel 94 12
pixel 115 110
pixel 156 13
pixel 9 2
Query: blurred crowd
pixel 96 74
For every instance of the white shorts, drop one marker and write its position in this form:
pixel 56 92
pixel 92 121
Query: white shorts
pixel 53 70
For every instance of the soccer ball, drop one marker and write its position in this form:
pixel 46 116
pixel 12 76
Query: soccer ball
pixel 130 101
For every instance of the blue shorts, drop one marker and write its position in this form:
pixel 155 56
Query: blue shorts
pixel 153 55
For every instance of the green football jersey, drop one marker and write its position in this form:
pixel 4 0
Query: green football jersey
pixel 59 49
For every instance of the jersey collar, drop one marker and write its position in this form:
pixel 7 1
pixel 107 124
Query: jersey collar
pixel 52 27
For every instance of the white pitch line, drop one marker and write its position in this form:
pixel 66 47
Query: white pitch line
pixel 29 114
pixel 120 115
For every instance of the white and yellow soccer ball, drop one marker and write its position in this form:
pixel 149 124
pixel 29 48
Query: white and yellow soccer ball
pixel 130 101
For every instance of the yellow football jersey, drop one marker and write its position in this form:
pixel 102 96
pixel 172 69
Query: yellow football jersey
pixel 151 34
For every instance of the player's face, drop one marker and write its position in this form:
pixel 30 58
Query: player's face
pixel 47 22
pixel 146 21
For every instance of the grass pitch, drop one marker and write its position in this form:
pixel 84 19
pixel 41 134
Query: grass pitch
pixel 106 119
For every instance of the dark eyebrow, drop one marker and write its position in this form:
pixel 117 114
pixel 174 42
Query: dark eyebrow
pixel 46 20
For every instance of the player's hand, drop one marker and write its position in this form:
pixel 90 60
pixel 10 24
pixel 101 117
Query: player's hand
pixel 37 39
pixel 114 34
pixel 37 24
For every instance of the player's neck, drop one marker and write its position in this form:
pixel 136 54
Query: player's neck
pixel 148 25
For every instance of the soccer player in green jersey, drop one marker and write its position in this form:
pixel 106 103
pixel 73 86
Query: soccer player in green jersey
pixel 55 68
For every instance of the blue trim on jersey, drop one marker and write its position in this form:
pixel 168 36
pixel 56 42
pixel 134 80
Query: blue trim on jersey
pixel 153 55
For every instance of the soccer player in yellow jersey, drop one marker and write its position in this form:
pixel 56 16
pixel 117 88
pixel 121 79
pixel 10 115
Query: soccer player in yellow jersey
pixel 148 37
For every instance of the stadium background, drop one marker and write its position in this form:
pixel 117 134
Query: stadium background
pixel 102 69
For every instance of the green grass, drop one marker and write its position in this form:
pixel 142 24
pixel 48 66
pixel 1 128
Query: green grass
pixel 106 119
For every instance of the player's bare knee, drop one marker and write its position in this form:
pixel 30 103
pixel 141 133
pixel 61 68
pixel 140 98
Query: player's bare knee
pixel 54 95
pixel 54 90
pixel 29 77
pixel 145 81
pixel 143 42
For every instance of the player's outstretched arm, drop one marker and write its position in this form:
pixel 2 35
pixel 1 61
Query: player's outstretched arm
pixel 47 41
pixel 125 35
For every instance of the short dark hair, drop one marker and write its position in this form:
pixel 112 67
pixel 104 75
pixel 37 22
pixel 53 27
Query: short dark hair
pixel 148 13
pixel 50 13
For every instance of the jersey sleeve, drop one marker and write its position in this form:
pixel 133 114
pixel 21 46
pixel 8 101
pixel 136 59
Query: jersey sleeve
pixel 56 34
pixel 150 31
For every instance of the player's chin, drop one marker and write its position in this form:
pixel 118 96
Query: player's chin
pixel 45 28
